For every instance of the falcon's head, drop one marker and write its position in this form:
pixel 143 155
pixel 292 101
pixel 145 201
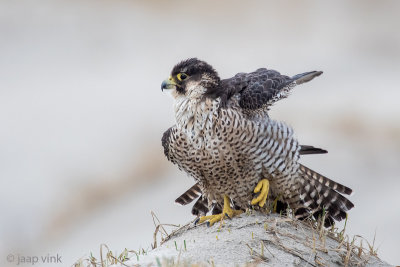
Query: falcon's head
pixel 191 78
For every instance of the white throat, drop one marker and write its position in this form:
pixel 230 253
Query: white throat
pixel 195 115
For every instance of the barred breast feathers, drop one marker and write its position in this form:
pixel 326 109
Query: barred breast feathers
pixel 270 143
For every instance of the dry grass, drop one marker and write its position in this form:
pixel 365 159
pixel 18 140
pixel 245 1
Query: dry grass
pixel 350 249
pixel 107 258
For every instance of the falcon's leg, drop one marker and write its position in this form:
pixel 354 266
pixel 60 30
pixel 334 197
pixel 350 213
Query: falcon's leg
pixel 262 185
pixel 227 211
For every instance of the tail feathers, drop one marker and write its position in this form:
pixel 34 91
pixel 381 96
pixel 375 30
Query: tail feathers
pixel 306 150
pixel 306 77
pixel 325 181
pixel 200 208
pixel 190 195
pixel 319 197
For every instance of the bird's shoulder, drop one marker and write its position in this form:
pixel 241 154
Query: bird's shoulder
pixel 255 89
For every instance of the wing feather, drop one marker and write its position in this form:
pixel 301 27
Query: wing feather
pixel 259 89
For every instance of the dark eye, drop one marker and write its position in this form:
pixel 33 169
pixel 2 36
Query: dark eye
pixel 182 76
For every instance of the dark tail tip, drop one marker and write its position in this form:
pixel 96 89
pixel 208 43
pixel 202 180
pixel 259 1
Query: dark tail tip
pixel 306 150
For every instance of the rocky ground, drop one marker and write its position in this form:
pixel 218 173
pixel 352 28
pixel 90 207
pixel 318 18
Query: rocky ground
pixel 253 239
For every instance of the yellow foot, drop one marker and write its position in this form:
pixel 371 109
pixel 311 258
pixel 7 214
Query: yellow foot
pixel 262 185
pixel 227 211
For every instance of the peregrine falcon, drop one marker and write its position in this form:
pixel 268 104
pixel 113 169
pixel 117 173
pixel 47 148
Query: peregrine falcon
pixel 226 141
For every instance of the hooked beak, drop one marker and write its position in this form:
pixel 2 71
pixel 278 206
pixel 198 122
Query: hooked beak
pixel 168 84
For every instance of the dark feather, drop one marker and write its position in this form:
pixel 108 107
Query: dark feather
pixel 306 150
pixel 306 77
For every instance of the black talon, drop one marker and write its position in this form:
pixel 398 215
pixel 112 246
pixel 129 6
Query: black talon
pixel 196 221
pixel 208 224
pixel 226 214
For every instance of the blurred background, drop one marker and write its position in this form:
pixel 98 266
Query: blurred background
pixel 82 113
